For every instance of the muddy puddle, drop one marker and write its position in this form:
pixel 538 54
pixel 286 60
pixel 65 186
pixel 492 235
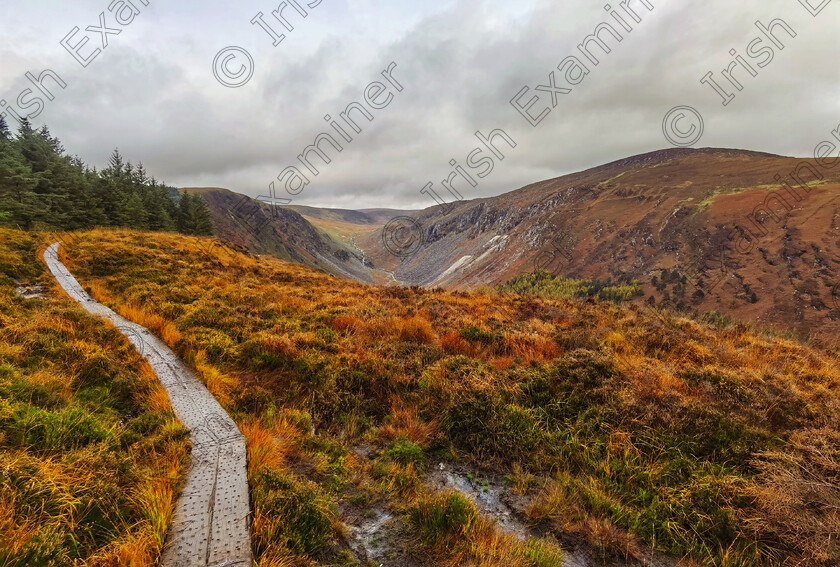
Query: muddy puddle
pixel 369 535
pixel 35 291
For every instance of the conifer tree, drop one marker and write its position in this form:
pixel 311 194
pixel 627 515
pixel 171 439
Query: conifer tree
pixel 140 176
pixel 43 187
pixel 203 223
pixel 116 165
pixel 17 197
pixel 194 215
pixel 25 129
pixel 5 134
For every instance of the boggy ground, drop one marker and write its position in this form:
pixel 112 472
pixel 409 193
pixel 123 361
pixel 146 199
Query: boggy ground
pixel 617 430
pixel 91 456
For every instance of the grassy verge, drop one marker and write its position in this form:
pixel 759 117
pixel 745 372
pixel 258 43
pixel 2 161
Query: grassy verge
pixel 90 453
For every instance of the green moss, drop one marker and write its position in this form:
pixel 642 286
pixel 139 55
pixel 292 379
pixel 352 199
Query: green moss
pixel 405 452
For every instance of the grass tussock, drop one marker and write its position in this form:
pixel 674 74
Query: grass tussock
pixel 452 528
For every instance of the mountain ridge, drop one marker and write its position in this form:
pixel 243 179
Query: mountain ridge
pixel 680 211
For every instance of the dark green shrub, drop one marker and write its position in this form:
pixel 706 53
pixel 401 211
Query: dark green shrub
pixel 581 380
pixel 719 438
pixel 477 335
pixel 486 426
pixel 143 426
pixel 405 452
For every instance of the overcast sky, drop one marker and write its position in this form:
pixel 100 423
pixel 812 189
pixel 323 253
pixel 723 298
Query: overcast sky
pixel 152 91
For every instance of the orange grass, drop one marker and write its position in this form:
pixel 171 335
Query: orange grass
pixel 70 469
pixel 374 364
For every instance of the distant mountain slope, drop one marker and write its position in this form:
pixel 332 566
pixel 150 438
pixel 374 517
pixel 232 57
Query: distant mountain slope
pixel 267 229
pixel 667 218
pixel 360 217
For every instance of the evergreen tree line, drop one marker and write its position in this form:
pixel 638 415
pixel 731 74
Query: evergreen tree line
pixel 42 187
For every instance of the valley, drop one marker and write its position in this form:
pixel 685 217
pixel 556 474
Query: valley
pixel 583 372
pixel 420 284
pixel 676 439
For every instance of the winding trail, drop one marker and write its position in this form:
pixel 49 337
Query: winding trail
pixel 210 525
pixel 365 257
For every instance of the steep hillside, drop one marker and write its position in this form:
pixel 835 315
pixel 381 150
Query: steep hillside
pixel 679 221
pixel 700 230
pixel 407 426
pixel 266 229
